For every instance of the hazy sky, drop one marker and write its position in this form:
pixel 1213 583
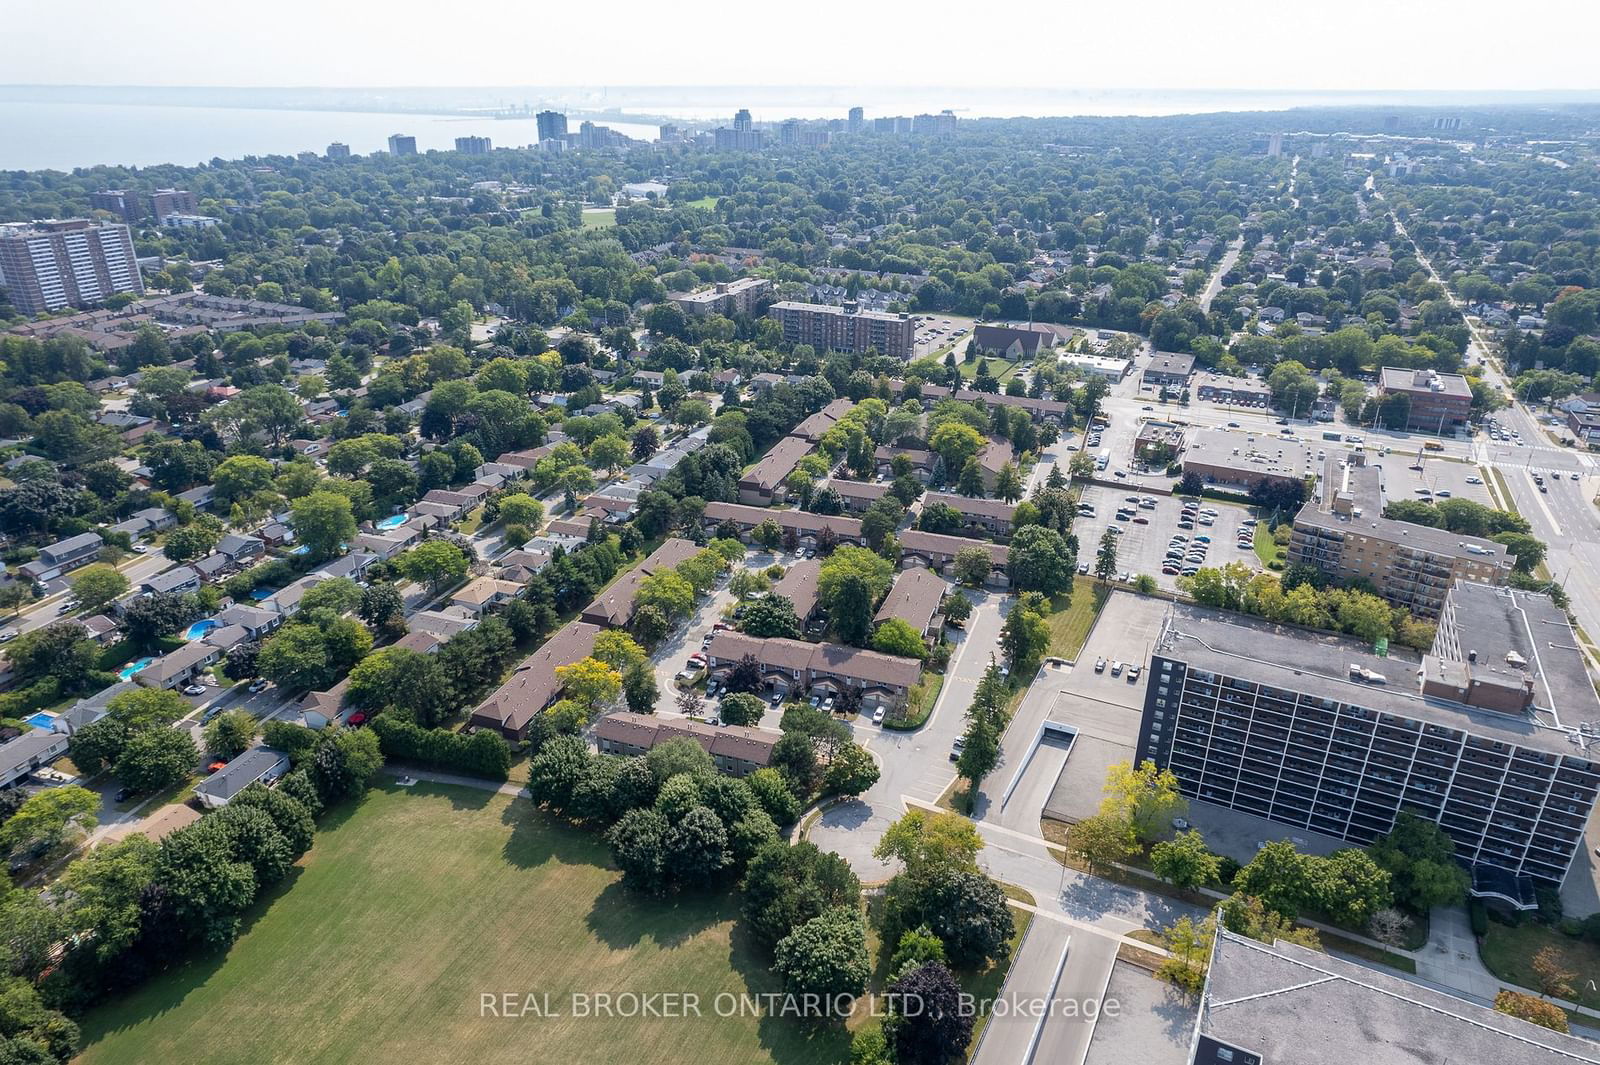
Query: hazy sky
pixel 1241 44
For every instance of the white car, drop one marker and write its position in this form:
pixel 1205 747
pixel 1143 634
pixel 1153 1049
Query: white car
pixel 195 689
pixel 7 635
pixel 877 716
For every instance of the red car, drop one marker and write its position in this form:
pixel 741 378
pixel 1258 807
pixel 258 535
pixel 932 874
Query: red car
pixel 1141 520
pixel 214 766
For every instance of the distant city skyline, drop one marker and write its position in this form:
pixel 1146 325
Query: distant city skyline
pixel 1237 44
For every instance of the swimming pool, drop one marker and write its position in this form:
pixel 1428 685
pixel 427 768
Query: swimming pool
pixel 301 550
pixel 42 720
pixel 199 629
pixel 259 594
pixel 393 521
pixel 127 671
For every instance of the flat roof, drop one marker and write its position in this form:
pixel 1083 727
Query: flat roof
pixel 1401 379
pixel 1289 1003
pixel 1493 620
pixel 1260 453
pixel 1315 662
pixel 828 308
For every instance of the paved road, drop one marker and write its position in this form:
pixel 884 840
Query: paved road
pixel 1214 285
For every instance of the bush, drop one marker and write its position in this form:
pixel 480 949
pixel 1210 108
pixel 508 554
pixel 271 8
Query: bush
pixel 1478 914
pixel 1572 927
pixel 483 754
pixel 1226 869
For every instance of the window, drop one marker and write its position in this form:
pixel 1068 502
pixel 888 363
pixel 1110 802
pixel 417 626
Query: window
pixel 1224 1054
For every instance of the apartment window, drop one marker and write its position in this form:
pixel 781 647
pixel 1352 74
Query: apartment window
pixel 1162 690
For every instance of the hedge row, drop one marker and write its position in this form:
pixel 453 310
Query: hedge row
pixel 483 754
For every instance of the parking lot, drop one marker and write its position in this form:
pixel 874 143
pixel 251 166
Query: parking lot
pixel 1437 479
pixel 1143 544
pixel 936 332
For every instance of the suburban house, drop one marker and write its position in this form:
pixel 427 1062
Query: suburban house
pixel 613 608
pixel 796 666
pixel 989 516
pixel 510 708
pixel 456 503
pixel 938 551
pixel 737 751
pixel 799 585
pixel 148 521
pixel 241 548
pixel 30 751
pixel 485 593
pixel 252 619
pixel 353 565
pixel 857 496
pixel 63 556
pixel 806 525
pixel 258 765
pixel 916 598
pixel 765 483
pixel 177 668
pixel 445 623
pixel 179 579
pixel 921 461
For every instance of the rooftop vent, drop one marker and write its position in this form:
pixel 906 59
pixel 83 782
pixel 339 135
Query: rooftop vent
pixel 1512 658
pixel 1472 656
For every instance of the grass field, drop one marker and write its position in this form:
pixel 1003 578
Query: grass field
pixel 417 902
pixel 1508 952
pixel 1267 549
pixel 599 219
pixel 1070 625
pixel 708 203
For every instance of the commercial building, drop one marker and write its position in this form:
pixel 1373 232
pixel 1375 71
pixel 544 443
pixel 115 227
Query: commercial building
pixel 847 328
pixel 1273 1004
pixel 1488 734
pixel 401 144
pixel 1243 460
pixel 54 264
pixel 1232 391
pixel 1439 401
pixel 474 145
pixel 736 750
pixel 1097 365
pixel 166 202
pixel 552 125
pixel 1168 369
pixel 1344 534
pixel 1158 443
pixel 725 298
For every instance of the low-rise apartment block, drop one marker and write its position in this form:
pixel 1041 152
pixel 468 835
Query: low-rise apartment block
pixel 988 517
pixel 1345 535
pixel 726 298
pixel 796 666
pixel 736 750
pixel 1316 731
pixel 847 328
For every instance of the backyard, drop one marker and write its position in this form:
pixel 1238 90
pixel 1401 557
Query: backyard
pixel 417 902
pixel 1508 953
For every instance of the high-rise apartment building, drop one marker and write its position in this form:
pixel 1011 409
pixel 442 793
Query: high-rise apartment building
pixel 741 120
pixel 338 150
pixel 474 145
pixel 1344 534
pixel 858 119
pixel 552 125
pixel 53 264
pixel 120 202
pixel 402 144
pixel 1488 734
pixel 847 328
pixel 164 202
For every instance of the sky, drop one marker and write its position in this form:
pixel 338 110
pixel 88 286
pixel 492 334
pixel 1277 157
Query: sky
pixel 1122 44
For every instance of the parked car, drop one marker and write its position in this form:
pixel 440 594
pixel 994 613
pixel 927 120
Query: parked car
pixel 1100 665
pixel 195 689
pixel 258 685
pixel 777 699
pixel 124 794
pixel 877 716
pixel 7 635
pixel 1116 669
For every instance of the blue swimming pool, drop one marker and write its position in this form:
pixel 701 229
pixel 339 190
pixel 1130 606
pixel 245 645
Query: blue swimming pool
pixel 301 550
pixel 259 594
pixel 127 671
pixel 393 521
pixel 42 720
pixel 199 629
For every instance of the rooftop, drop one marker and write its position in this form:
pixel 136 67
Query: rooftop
pixel 1265 456
pixel 799 586
pixel 1287 1003
pixel 1398 379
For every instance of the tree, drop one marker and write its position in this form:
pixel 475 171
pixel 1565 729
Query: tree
pixel 1247 915
pixel 1279 876
pixel 745 676
pixel 230 734
pixel 695 847
pixel 767 534
pixel 323 522
pixel 1041 561
pixel 785 886
pixel 1390 926
pixel 1105 561
pixel 95 586
pixel 825 957
pixel 795 756
pixel 1102 840
pixel 45 818
pixel 61 649
pixel 341 595
pixel 917 946
pixel 956 443
pixel 590 682
pixel 1185 862
pixel 618 650
pixel 518 508
pixel 980 753
pixel 1349 887
pixel 770 617
pixel 939 1030
pixel 895 636
pixel 404 680
pixel 1145 796
pixel 1025 636
pixel 774 796
pixel 851 771
pixel 190 542
pixel 741 708
pixel 1420 859
pixel 925 841
pixel 1551 975
pixel 381 607
pixel 956 608
pixel 971 566
pixel 434 563
pixel 970 482
pixel 880 521
pixel 155 758
pixel 1188 944
pixel 345 763
pixel 680 755
pixel 639 688
pixel 296 659
pixel 667 592
pixel 102 890
pixel 1527 1008
pixel 147 618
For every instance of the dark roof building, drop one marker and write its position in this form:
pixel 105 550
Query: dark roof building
pixel 737 751
pixel 511 707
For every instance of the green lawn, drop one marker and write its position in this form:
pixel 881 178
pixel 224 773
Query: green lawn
pixel 708 203
pixel 1267 549
pixel 999 369
pixel 1508 952
pixel 599 219
pixel 418 902
pixel 1070 624
pixel 919 703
